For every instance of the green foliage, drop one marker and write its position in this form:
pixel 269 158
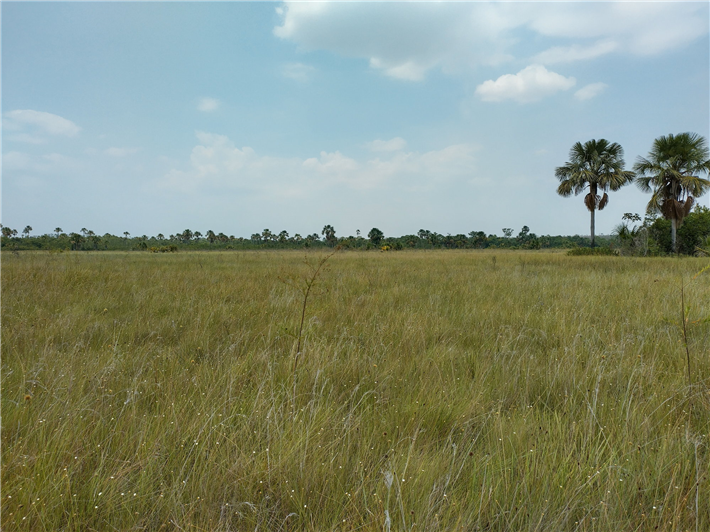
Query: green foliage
pixel 329 234
pixel 172 248
pixel 595 166
pixel 672 173
pixel 375 236
pixel 87 240
pixel 694 230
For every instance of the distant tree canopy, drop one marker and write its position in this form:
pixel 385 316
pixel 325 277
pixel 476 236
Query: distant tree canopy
pixel 187 239
pixel 634 235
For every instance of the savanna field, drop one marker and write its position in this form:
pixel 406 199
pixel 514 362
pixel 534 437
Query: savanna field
pixel 435 390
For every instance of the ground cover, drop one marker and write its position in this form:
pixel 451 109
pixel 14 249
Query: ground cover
pixel 472 390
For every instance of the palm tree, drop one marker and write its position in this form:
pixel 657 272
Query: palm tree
pixel 329 233
pixel 671 173
pixel 27 230
pixel 596 165
pixel 375 236
pixel 58 230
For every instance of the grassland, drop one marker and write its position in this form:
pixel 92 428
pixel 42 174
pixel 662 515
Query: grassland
pixel 435 391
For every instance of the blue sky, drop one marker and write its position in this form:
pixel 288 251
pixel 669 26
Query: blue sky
pixel 235 117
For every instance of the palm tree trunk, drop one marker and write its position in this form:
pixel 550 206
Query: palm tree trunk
pixel 674 229
pixel 592 228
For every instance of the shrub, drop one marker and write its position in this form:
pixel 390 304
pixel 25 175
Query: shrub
pixel 172 248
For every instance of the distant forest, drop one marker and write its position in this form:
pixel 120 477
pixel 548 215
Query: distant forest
pixel 633 236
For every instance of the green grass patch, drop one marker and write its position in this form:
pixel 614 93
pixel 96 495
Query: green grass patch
pixel 435 390
pixel 583 252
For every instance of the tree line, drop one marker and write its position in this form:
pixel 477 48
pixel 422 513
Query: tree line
pixel 672 173
pixel 633 235
pixel 87 240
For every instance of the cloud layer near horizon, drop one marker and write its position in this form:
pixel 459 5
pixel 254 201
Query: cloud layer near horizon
pixel 216 163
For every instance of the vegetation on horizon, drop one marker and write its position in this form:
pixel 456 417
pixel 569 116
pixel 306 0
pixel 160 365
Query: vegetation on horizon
pixel 671 172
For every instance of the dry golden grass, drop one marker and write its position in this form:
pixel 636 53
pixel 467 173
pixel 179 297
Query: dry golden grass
pixel 436 390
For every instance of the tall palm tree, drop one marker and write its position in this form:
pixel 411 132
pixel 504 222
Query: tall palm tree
pixel 597 166
pixel 329 234
pixel 671 173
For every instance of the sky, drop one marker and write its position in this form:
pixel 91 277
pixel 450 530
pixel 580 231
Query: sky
pixel 235 117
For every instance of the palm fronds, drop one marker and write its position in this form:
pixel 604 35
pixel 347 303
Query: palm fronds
pixel 595 166
pixel 671 172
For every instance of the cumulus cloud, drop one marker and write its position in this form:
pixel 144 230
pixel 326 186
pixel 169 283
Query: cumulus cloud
pixel 207 105
pixel 529 85
pixel 297 71
pixel 217 164
pixel 394 144
pixel 406 40
pixel 38 122
pixel 590 91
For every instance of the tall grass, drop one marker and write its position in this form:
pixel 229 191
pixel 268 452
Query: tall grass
pixel 441 390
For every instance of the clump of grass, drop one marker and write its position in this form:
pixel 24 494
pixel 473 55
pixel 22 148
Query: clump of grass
pixel 583 252
pixel 304 284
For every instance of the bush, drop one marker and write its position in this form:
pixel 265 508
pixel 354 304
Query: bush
pixel 172 248
pixel 694 230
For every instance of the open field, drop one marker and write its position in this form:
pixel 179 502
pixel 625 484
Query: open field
pixel 436 390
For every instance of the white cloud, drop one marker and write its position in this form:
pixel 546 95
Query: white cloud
pixel 208 105
pixel 590 91
pixel 405 40
pixel 40 122
pixel 394 144
pixel 216 164
pixel 120 152
pixel 297 72
pixel 529 85
pixel 408 71
pixel 575 52
pixel 640 28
